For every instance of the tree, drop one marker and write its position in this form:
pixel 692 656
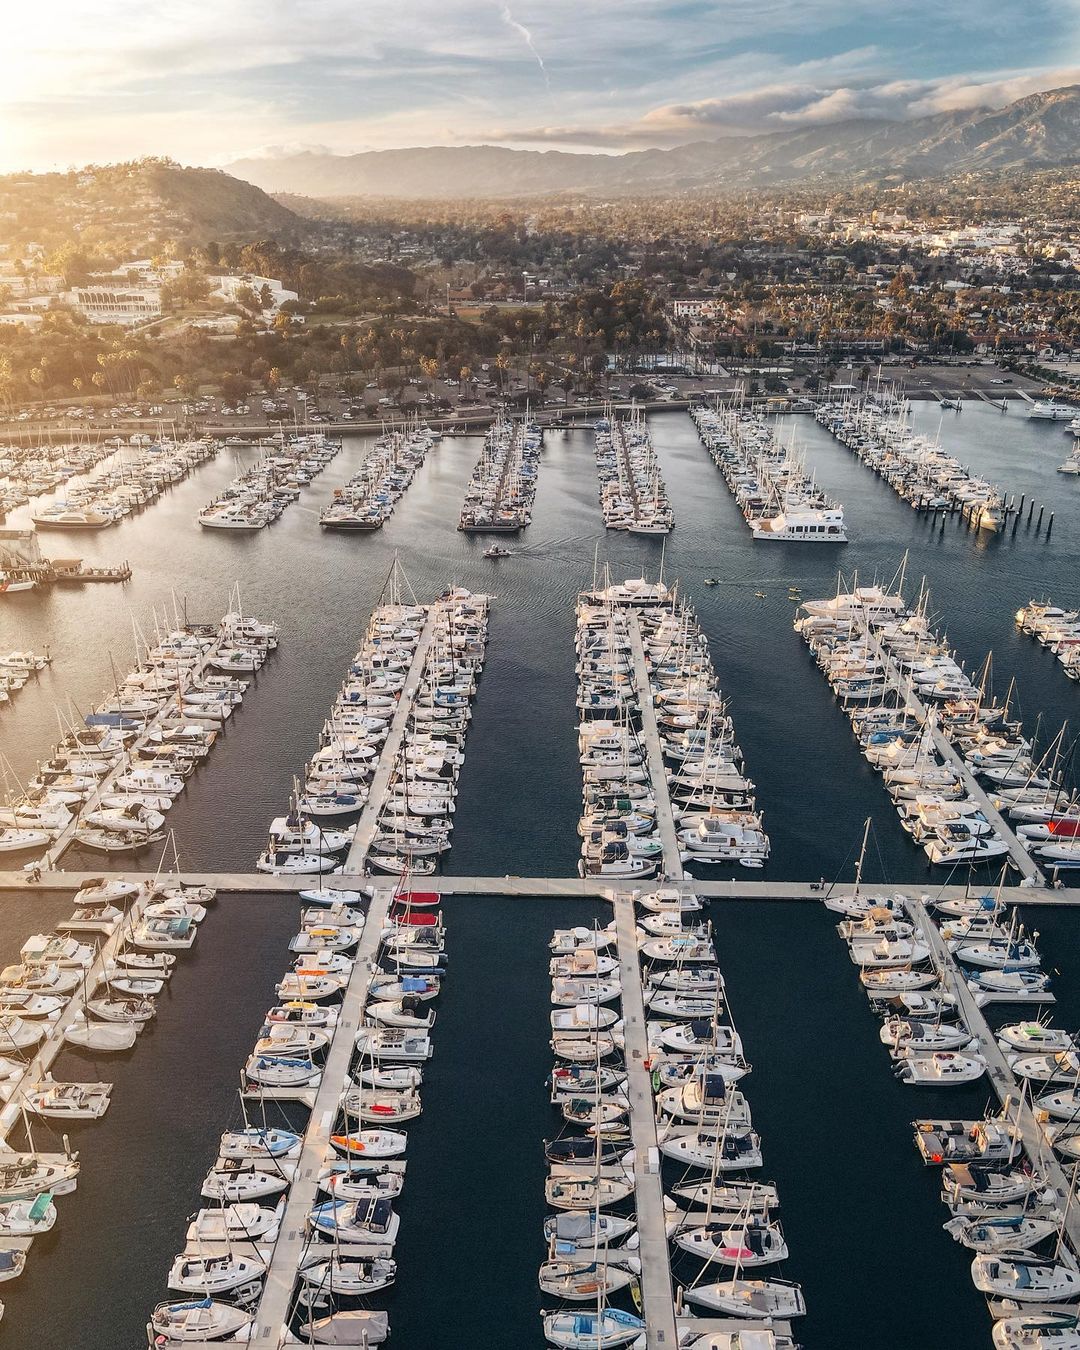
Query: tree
pixel 234 387
pixel 187 386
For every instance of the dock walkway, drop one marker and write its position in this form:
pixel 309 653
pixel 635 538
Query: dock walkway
pixel 49 1050
pixel 673 867
pixel 269 1328
pixel 1021 858
pixel 1004 1081
pixel 656 1288
pixel 185 679
pixel 369 819
pixel 236 884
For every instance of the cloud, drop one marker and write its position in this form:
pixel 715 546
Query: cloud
pixel 102 78
pixel 527 38
pixel 776 107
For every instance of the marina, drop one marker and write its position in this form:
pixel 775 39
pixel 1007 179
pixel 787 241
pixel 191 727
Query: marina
pixel 500 493
pixel 778 499
pixel 124 483
pixel 367 500
pixel 529 895
pixel 873 649
pixel 110 780
pixel 878 430
pixel 633 496
pixel 259 495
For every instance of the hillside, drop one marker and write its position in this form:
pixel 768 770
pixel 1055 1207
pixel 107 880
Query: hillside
pixel 1042 130
pixel 133 207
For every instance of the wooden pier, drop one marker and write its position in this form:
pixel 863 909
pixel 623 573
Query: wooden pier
pixel 673 867
pixel 656 1288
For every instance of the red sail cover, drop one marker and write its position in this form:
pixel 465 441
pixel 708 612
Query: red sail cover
pixel 1066 828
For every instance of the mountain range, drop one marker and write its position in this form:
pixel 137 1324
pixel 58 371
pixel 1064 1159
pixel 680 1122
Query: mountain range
pixel 1040 131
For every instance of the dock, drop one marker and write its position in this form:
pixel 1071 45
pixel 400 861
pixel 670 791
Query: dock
pixel 1005 1084
pixel 369 818
pixel 49 1050
pixel 186 678
pixel 651 734
pixel 235 884
pixel 269 1327
pixel 1018 854
pixel 656 1287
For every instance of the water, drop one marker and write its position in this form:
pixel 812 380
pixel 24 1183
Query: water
pixel 860 1212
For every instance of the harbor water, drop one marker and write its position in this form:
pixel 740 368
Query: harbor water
pixel 862 1216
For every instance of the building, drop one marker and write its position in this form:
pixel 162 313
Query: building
pixel 117 304
pixel 228 287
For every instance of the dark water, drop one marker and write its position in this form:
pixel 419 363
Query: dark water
pixel 861 1214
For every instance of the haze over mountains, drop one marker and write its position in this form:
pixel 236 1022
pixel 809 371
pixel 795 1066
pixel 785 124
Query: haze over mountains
pixel 1040 131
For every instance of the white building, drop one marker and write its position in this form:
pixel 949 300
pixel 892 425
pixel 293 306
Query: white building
pixel 117 304
pixel 228 287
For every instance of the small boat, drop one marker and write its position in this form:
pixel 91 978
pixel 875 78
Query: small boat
pixel 27 1218
pixel 232 1223
pixel 940 1069
pixel 497 551
pixel 348 1328
pixel 592 1330
pixel 370 1143
pixel 1006 1234
pixel 368 1222
pixel 1027 1280
pixel 350 1276
pixel 758 1299
pixel 1038 1330
pixel 68 1101
pixel 585 1281
pixel 204 1320
pixel 214 1274
pixel 101 1036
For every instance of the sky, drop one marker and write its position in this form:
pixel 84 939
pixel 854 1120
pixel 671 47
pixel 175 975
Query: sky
pixel 210 81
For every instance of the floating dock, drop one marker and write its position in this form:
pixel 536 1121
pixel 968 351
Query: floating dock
pixel 651 734
pixel 369 818
pixel 656 1287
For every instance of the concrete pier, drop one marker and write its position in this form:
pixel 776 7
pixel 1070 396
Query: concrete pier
pixel 650 733
pixel 567 888
pixel 388 759
pixel 656 1288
